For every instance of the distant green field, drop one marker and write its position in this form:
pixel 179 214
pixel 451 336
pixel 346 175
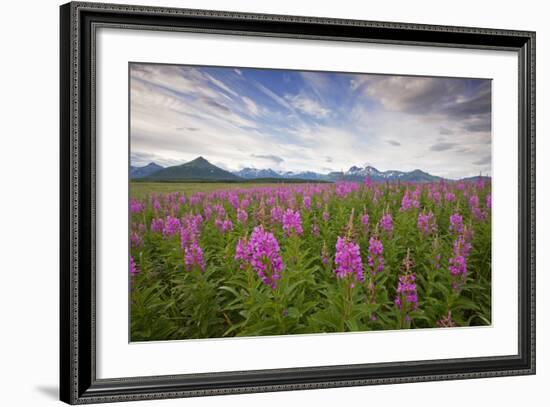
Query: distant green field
pixel 140 189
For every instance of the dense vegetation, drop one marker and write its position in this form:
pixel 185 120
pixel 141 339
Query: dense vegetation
pixel 212 260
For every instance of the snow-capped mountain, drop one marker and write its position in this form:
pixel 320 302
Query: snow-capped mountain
pixel 253 173
pixel 355 173
pixel 391 175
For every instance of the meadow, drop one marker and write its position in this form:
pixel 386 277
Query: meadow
pixel 210 260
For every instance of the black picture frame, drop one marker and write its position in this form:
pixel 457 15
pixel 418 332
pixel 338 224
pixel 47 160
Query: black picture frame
pixel 78 382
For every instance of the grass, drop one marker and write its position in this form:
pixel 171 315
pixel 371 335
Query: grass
pixel 141 189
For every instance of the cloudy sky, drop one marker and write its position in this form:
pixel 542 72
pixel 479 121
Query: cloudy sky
pixel 315 121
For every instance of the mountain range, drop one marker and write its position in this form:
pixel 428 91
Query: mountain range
pixel 201 169
pixel 145 171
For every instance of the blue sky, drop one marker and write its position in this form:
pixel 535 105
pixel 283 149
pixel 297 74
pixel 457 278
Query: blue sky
pixel 314 121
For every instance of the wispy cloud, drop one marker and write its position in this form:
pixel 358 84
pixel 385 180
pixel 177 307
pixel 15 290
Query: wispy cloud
pixel 442 146
pixel 483 161
pixel 308 105
pixel 268 157
pixel 238 117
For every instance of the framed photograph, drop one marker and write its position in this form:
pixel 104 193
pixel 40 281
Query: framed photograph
pixel 255 203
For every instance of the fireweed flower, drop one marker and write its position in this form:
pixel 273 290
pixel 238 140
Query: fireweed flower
pixel 343 189
pixel 136 240
pixel 406 292
pixel 276 214
pixel 406 298
pixel 488 201
pixel 242 215
pixel 157 225
pixel 449 196
pixel 136 206
pixel 223 225
pixel 195 199
pixel 186 237
pixel 457 265
pixel 193 223
pixel 348 259
pixel 234 200
pixel 368 182
pixel 242 253
pixel 436 197
pixel 375 259
pixel 386 222
pixel 326 215
pixel 478 213
pixel 193 257
pixel 245 203
pixel 265 259
pixel 134 271
pixel 190 229
pixel 426 223
pixel 171 226
pixel 292 222
pixel 307 202
pixel 407 202
pixel 156 204
pixel 227 225
pixel 220 210
pixel 462 245
pixel 458 262
pixel 207 212
pixel 456 225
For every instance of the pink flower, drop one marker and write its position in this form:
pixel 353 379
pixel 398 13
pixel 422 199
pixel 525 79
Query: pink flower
pixel 157 225
pixel 193 257
pixel 262 253
pixel 375 259
pixel 406 292
pixel 136 206
pixel 386 223
pixel 348 259
pixel 134 271
pixel 292 222
pixel 426 223
pixel 171 226
pixel 456 225
pixel 242 215
pixel 276 214
pixel 307 202
pixel 407 202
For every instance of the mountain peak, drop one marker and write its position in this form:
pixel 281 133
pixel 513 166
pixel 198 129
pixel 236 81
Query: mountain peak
pixel 200 159
pixel 360 171
pixel 197 169
pixel 145 171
